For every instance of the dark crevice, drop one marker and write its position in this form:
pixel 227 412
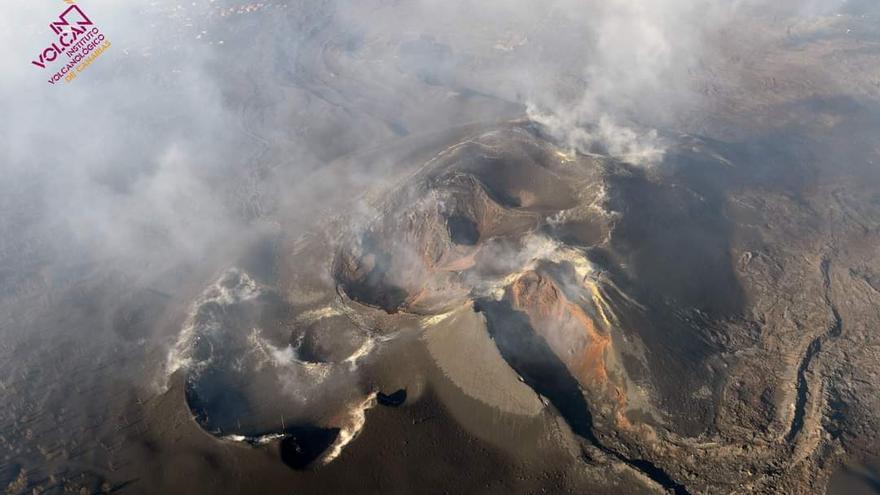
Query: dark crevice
pixel 837 324
pixel 655 473
pixel 800 404
pixel 815 346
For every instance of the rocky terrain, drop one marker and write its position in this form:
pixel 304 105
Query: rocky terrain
pixel 407 280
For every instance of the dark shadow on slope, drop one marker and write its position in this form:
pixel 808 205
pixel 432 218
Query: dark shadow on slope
pixel 530 356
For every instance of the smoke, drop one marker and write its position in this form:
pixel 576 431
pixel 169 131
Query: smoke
pixel 191 130
pixel 636 70
pixel 131 161
pixel 209 125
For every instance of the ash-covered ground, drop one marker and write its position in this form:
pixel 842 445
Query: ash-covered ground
pixel 444 247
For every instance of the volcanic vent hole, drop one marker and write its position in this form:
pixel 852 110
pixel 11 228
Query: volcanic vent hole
pixel 462 230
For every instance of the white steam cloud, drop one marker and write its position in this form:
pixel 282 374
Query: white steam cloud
pixel 201 119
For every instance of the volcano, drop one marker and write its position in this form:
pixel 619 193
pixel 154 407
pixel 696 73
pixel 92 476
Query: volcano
pixel 594 288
